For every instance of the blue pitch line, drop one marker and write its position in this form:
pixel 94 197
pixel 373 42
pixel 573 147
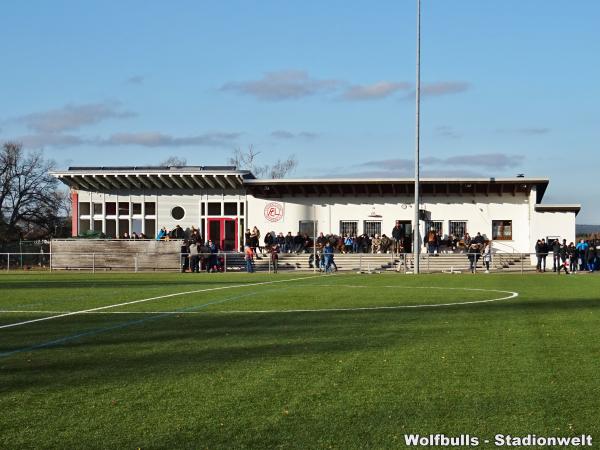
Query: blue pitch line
pixel 98 331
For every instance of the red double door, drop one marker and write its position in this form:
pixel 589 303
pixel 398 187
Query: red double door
pixel 224 232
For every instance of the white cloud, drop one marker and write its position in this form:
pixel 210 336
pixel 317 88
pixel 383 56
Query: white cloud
pixel 72 117
pixel 135 79
pixel 283 85
pixel 157 139
pixel 284 134
pixel 374 91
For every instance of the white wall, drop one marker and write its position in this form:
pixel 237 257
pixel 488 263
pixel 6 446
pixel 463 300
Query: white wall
pixel 478 211
pixel 165 200
pixel 553 224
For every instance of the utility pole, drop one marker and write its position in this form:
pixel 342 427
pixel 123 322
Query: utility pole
pixel 416 239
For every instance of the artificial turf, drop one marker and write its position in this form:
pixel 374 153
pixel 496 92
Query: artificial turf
pixel 205 370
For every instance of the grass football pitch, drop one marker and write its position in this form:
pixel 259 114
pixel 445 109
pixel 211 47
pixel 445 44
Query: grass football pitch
pixel 176 361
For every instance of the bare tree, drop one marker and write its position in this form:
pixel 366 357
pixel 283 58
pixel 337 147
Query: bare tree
pixel 282 167
pixel 174 161
pixel 29 197
pixel 248 160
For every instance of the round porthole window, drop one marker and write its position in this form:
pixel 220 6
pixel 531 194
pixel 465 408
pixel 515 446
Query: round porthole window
pixel 177 213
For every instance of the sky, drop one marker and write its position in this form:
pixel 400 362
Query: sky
pixel 508 87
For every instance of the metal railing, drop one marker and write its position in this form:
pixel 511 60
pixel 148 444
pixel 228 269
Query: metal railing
pixel 233 261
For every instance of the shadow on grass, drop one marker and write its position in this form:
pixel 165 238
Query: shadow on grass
pixel 99 349
pixel 186 346
pixel 193 280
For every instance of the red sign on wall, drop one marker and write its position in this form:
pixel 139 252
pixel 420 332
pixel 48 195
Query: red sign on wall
pixel 274 212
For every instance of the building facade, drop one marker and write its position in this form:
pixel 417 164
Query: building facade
pixel 223 202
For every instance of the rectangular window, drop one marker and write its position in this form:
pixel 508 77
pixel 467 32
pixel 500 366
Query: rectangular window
pixel 214 209
pixel 98 225
pixel 136 208
pixel 307 227
pixel 111 208
pixel 111 228
pixel 458 228
pixel 150 228
pixel 136 226
pixel 230 209
pixel 84 208
pixel 348 227
pixel 437 225
pixel 123 227
pixel 241 209
pixel 502 230
pixel 97 208
pixel 124 209
pixel 150 208
pixel 84 225
pixel 202 209
pixel 372 227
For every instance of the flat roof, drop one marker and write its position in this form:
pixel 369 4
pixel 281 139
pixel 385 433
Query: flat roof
pixel 396 186
pixel 573 207
pixel 103 178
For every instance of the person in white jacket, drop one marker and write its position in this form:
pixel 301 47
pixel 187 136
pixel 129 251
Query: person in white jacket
pixel 487 255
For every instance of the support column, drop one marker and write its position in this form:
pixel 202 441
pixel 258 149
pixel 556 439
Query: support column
pixel 74 213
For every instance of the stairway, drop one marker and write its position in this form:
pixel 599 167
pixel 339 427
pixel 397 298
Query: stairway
pixel 501 262
pixel 127 255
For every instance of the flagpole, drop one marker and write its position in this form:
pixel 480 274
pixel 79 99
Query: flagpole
pixel 416 239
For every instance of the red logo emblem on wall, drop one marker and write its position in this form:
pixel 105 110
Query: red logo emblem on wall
pixel 274 212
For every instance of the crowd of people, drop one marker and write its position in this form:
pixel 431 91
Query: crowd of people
pixel 570 258
pixel 199 255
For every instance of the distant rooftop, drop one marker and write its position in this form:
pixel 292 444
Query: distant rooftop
pixel 155 168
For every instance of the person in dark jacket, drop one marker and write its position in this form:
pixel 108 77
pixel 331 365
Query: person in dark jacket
pixel 397 237
pixel 213 261
pixel 545 249
pixel 280 240
pixel 298 243
pixel 321 240
pixel 177 233
pixel 538 255
pixel 328 256
pixel 269 240
pixel 185 256
pixel 591 257
pixel 573 257
pixel 289 242
pixel 555 255
pixel 564 255
pixel 473 254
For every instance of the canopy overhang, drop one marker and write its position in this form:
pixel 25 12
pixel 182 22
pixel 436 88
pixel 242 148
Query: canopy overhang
pixel 154 178
pixel 365 187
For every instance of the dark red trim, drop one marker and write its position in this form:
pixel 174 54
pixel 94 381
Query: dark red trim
pixel 74 214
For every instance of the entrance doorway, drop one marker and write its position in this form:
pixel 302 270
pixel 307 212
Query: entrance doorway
pixel 224 233
pixel 406 233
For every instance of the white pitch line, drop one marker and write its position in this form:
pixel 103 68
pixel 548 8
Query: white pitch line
pixel 371 308
pixel 100 308
pixel 272 311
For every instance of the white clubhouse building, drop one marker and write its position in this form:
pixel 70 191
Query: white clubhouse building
pixel 223 202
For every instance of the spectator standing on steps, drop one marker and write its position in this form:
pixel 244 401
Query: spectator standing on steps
pixel 473 254
pixel 248 258
pixel 487 256
pixel 397 237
